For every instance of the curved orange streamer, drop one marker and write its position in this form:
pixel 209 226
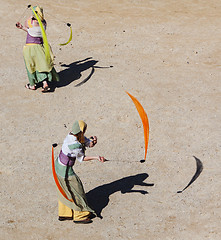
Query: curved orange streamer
pixel 144 119
pixel 56 178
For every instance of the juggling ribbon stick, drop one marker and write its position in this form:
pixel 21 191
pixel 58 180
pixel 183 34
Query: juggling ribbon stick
pixel 56 178
pixel 144 119
pixel 70 38
pixel 45 40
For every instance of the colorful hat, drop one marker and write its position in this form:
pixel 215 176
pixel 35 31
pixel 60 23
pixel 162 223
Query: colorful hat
pixel 79 126
pixel 75 128
pixel 39 11
pixel 83 126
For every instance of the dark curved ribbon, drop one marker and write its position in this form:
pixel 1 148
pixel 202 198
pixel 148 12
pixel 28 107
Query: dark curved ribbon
pixel 87 78
pixel 199 169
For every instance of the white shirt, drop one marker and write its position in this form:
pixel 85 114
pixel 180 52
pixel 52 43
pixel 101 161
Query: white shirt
pixel 73 148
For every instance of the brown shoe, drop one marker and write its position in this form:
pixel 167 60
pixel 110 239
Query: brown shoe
pixel 86 221
pixel 92 215
pixel 64 218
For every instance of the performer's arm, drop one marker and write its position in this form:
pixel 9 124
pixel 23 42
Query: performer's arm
pixel 99 158
pixel 20 26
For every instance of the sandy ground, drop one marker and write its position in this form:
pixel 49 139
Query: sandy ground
pixel 164 52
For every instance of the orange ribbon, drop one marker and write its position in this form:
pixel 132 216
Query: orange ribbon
pixel 56 178
pixel 144 119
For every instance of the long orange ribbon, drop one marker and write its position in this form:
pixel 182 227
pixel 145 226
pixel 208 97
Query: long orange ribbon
pixel 56 178
pixel 144 119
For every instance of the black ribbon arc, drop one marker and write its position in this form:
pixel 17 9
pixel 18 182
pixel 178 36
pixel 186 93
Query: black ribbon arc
pixel 199 169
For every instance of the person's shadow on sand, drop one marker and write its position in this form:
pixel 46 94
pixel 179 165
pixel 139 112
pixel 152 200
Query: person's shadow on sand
pixel 98 198
pixel 73 71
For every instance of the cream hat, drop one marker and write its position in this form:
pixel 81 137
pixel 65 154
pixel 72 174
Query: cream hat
pixel 39 11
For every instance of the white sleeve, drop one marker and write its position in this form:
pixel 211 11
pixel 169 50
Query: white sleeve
pixel 80 155
pixel 35 31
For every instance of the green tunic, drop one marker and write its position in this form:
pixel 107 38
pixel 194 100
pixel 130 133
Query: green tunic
pixel 38 69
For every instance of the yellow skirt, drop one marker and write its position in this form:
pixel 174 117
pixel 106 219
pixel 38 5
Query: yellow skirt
pixel 34 55
pixel 38 68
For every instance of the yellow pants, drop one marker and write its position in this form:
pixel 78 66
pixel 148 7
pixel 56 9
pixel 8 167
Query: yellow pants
pixel 64 211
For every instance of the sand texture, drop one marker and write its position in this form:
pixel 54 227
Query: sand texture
pixel 166 53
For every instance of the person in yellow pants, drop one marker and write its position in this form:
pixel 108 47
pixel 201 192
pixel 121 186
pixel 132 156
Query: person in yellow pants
pixel 66 213
pixel 74 146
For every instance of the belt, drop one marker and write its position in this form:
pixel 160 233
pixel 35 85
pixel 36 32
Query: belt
pixel 68 161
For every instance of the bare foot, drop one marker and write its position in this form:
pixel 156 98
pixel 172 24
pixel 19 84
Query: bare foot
pixel 28 86
pixel 45 86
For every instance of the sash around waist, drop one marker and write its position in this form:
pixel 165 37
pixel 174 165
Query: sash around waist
pixel 68 161
pixel 36 40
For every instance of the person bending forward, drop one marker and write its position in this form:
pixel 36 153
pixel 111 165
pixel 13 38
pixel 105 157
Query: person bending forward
pixel 73 148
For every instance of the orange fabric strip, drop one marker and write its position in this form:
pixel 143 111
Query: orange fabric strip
pixel 144 119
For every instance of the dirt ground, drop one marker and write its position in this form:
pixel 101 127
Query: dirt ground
pixel 164 52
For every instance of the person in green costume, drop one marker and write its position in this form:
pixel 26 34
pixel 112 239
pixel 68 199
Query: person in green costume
pixel 73 148
pixel 39 69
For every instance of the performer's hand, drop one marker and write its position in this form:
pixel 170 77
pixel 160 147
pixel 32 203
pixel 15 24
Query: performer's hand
pixel 101 159
pixel 18 25
pixel 94 140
